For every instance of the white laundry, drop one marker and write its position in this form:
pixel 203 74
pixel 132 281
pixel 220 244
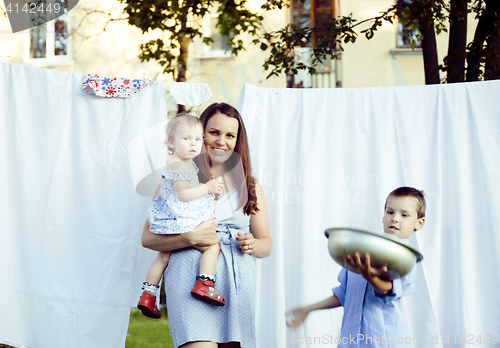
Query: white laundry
pixel 329 157
pixel 190 94
pixel 70 253
pixel 70 217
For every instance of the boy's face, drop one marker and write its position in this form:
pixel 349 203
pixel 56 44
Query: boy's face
pixel 400 217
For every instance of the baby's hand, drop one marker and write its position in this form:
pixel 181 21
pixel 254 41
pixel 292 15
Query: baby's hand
pixel 215 186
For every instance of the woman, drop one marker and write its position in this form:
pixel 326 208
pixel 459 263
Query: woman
pixel 242 228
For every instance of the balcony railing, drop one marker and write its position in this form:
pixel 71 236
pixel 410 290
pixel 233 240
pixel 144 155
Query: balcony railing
pixel 327 75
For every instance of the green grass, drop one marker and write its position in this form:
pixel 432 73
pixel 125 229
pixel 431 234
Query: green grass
pixel 144 332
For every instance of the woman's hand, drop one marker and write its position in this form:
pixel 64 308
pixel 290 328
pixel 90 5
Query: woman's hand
pixel 246 242
pixel 203 235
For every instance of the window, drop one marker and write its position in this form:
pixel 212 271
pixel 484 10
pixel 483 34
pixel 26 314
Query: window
pixel 216 49
pixel 313 13
pixel 403 37
pixel 220 41
pixel 49 43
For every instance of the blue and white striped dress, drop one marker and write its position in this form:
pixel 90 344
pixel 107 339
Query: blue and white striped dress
pixel 193 320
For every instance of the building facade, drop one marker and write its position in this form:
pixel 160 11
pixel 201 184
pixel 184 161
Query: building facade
pixel 89 40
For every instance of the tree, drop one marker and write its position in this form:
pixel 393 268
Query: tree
pixel 181 21
pixel 429 17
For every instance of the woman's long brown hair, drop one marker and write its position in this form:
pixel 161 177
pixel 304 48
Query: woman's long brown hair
pixel 243 170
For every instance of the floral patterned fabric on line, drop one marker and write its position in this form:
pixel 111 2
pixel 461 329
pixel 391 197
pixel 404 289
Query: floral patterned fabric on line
pixel 112 87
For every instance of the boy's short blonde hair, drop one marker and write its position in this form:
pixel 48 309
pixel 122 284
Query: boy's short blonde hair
pixel 174 123
pixel 406 191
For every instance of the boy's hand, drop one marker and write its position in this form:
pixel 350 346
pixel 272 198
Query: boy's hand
pixel 365 269
pixel 215 186
pixel 299 315
pixel 376 276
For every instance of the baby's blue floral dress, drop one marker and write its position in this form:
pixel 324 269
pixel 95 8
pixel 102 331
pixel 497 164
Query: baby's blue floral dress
pixel 169 215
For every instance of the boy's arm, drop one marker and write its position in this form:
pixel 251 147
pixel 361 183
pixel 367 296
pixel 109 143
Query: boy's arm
pixel 330 302
pixel 380 286
pixel 372 275
pixel 300 314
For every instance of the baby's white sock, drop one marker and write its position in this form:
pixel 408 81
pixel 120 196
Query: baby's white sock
pixel 151 288
pixel 207 277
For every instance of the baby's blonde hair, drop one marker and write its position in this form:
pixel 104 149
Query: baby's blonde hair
pixel 174 123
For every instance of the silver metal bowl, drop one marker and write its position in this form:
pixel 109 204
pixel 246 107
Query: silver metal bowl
pixel 383 249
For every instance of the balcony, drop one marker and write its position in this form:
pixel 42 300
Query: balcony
pixel 327 75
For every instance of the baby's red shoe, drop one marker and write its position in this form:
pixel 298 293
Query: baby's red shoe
pixel 204 290
pixel 147 305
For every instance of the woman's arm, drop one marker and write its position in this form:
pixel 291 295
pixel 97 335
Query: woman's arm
pixel 202 235
pixel 258 242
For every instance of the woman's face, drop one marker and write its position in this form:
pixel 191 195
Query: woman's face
pixel 221 133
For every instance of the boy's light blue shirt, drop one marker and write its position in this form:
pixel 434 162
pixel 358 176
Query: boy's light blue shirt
pixel 371 320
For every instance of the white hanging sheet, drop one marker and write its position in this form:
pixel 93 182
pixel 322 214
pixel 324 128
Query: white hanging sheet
pixel 329 157
pixel 70 219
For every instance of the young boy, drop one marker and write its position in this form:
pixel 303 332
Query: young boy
pixel 373 310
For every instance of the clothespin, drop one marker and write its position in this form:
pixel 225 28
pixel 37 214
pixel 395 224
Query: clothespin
pixel 154 78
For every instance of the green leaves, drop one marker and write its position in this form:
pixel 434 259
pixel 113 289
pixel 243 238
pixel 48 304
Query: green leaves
pixel 182 21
